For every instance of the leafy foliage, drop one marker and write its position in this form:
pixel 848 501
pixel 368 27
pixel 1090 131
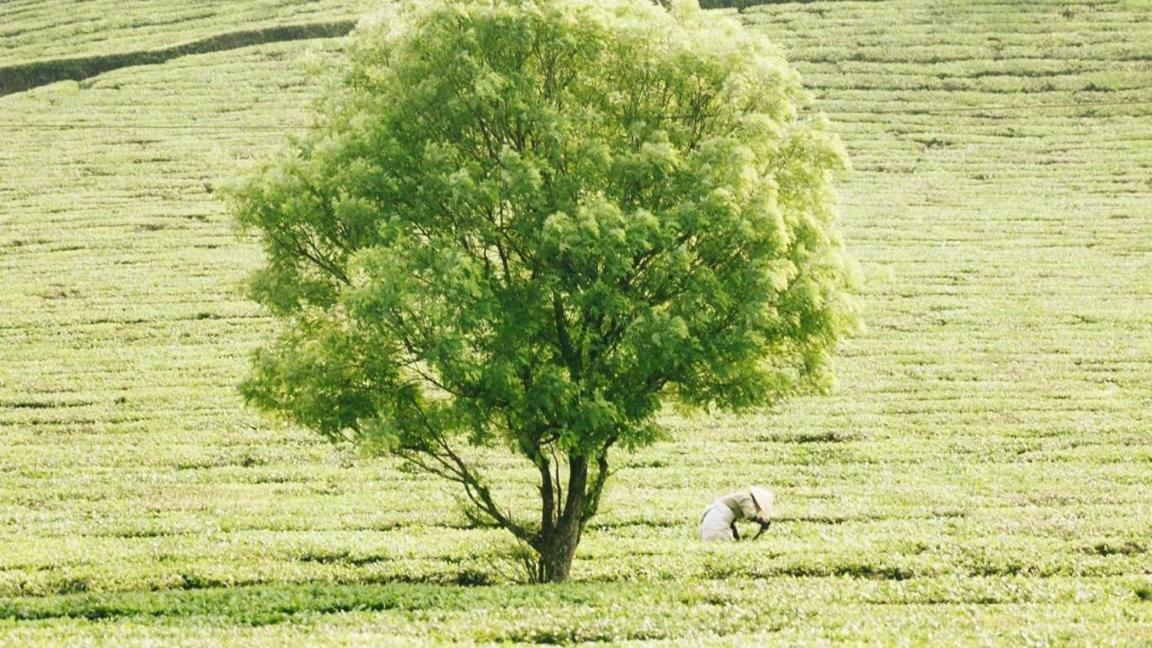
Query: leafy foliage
pixel 528 225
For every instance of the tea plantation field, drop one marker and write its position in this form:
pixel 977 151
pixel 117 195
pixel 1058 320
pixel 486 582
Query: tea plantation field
pixel 32 30
pixel 982 473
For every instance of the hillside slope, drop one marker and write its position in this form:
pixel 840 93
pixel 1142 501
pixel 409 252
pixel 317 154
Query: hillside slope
pixel 36 30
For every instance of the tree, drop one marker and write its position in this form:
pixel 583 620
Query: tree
pixel 527 225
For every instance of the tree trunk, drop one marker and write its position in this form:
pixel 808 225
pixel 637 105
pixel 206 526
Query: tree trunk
pixel 556 545
pixel 556 556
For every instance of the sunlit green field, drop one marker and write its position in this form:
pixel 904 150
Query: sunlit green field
pixel 982 473
pixel 32 30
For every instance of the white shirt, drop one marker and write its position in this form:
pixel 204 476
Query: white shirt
pixel 753 503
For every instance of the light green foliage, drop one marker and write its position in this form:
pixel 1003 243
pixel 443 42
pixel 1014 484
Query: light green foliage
pixel 980 476
pixel 529 225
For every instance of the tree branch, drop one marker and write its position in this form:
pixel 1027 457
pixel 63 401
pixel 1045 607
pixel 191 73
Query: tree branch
pixel 571 358
pixel 596 488
pixel 452 467
pixel 577 482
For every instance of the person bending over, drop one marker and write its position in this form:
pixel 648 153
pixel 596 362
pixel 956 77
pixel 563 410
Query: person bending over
pixel 753 504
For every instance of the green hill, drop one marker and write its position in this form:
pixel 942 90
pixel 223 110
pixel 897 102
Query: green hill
pixel 982 473
pixel 35 30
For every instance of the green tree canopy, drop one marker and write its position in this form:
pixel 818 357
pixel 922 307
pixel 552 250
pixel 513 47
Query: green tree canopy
pixel 527 224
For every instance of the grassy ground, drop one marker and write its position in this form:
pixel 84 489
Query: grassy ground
pixel 983 473
pixel 32 30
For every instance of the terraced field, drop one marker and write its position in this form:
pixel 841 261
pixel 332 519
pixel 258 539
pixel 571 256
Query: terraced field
pixel 32 30
pixel 982 474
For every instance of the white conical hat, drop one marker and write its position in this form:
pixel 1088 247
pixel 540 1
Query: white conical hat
pixel 764 499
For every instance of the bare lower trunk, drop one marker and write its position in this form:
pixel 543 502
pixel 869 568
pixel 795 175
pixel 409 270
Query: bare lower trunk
pixel 556 544
pixel 566 505
pixel 555 562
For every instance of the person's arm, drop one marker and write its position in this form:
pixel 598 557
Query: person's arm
pixel 763 527
pixel 763 509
